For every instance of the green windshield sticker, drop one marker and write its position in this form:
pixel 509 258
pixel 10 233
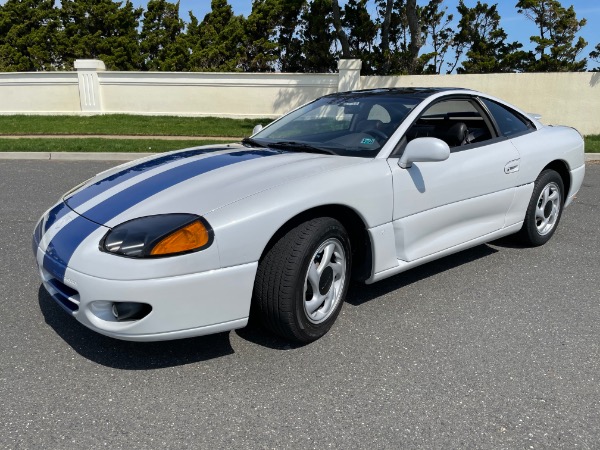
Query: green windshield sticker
pixel 368 141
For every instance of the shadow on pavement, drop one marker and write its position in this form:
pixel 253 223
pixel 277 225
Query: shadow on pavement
pixel 256 334
pixel 130 355
pixel 511 241
pixel 362 293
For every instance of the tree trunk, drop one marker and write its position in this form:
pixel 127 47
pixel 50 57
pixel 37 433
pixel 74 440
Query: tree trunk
pixel 385 37
pixel 341 34
pixel 416 38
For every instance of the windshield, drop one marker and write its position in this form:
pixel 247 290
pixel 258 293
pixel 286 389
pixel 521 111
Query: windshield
pixel 355 124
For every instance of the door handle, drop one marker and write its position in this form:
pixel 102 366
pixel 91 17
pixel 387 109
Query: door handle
pixel 511 167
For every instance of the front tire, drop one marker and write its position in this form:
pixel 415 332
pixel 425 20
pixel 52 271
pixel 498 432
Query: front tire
pixel 302 280
pixel 544 210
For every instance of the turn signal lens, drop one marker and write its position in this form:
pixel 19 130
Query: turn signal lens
pixel 190 237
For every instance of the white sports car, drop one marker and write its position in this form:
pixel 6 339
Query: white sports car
pixel 360 185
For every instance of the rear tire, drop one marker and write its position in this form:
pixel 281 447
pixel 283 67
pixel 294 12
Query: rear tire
pixel 302 280
pixel 544 210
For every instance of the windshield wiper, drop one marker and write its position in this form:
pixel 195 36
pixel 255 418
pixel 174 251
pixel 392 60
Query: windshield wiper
pixel 252 142
pixel 300 147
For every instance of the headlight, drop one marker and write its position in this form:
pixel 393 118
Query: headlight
pixel 156 236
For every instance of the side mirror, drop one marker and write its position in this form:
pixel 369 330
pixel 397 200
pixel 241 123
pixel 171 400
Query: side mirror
pixel 256 129
pixel 425 149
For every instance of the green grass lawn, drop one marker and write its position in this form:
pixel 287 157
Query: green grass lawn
pixel 124 124
pixel 592 144
pixel 98 145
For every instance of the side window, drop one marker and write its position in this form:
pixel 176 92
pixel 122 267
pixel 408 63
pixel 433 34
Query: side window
pixel 509 122
pixel 456 108
pixel 458 122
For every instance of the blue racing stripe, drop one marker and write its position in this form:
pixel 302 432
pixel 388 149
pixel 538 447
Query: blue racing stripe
pixel 89 192
pixel 54 259
pixel 55 214
pixel 63 245
pixel 103 185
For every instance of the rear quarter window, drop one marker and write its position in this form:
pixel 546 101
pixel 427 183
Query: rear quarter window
pixel 510 122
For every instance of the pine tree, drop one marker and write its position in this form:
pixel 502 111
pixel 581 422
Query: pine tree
pixel 557 45
pixel 307 37
pixel 100 29
pixel 28 35
pixel 436 23
pixel 487 51
pixel 162 42
pixel 361 32
pixel 595 56
pixel 402 36
pixel 217 43
pixel 289 44
pixel 261 48
pixel 318 38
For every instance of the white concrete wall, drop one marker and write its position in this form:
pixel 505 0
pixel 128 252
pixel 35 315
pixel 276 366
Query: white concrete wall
pixel 210 94
pixel 39 93
pixel 561 98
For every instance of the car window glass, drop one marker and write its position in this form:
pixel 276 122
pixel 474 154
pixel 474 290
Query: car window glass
pixel 455 107
pixel 318 120
pixel 457 122
pixel 378 112
pixel 353 124
pixel 510 123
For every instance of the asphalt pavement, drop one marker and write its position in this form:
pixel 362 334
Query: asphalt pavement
pixel 494 347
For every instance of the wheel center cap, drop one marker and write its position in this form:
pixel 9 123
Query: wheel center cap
pixel 326 280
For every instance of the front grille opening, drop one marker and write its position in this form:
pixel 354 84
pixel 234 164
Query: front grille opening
pixel 65 296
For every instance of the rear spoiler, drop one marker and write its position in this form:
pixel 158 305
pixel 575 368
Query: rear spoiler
pixel 535 116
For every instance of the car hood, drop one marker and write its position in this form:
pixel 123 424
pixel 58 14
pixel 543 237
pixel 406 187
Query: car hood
pixel 197 180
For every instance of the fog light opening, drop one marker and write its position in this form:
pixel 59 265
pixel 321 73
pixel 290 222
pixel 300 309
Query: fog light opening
pixel 123 311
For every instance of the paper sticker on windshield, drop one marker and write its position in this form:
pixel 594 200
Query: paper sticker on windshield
pixel 368 141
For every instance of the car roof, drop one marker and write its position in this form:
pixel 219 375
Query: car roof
pixel 422 92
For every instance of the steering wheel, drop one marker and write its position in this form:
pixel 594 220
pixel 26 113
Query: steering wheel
pixel 376 133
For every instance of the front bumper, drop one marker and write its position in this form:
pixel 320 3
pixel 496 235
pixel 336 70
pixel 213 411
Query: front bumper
pixel 182 306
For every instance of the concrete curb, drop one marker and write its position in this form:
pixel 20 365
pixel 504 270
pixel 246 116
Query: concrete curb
pixel 85 156
pixel 74 156
pixel 24 155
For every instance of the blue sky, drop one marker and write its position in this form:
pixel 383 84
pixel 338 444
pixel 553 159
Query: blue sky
pixel 516 25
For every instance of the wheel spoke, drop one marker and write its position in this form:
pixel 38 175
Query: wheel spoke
pixel 313 305
pixel 338 269
pixel 313 277
pixel 539 213
pixel 545 195
pixel 326 259
pixel 329 298
pixel 553 196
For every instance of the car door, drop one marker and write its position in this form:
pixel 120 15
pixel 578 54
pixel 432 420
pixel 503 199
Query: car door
pixel 439 205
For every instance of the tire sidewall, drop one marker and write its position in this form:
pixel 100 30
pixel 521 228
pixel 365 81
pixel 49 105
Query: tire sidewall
pixel 531 233
pixel 330 228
